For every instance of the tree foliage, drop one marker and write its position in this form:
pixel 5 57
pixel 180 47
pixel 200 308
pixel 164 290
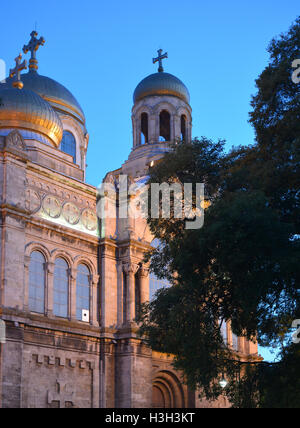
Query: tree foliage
pixel 243 265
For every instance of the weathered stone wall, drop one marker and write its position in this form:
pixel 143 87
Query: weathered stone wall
pixel 133 375
pixel 47 368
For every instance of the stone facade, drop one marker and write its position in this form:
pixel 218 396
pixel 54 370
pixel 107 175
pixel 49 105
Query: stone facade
pixel 46 207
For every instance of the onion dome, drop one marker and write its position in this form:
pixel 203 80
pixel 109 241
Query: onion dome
pixel 26 110
pixel 161 84
pixel 59 97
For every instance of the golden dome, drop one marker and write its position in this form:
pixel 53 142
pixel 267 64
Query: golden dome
pixel 59 97
pixel 161 84
pixel 23 109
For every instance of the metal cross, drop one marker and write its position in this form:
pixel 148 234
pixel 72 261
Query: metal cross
pixel 17 72
pixel 159 59
pixel 32 47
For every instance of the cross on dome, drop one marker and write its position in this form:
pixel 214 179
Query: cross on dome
pixel 17 72
pixel 32 47
pixel 159 59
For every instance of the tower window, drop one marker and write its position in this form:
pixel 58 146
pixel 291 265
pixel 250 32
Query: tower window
pixel 144 128
pixel 164 126
pixel 183 128
pixel 37 283
pixel 68 144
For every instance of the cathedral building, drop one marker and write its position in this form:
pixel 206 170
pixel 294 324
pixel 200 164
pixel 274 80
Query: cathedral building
pixel 70 283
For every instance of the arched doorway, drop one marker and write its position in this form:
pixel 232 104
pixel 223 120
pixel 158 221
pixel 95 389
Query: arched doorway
pixel 167 391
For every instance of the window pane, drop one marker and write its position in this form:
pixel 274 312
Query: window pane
pixel 82 291
pixel 224 331
pixel 37 283
pixel 68 144
pixel 235 342
pixel 61 289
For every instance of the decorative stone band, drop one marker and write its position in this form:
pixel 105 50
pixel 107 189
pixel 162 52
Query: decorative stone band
pixel 52 360
pixel 68 213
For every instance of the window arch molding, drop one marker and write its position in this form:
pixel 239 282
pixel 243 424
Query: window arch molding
pixel 143 109
pixel 61 254
pixel 35 246
pixel 81 260
pixel 185 112
pixel 164 105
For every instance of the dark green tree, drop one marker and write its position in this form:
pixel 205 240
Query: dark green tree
pixel 243 265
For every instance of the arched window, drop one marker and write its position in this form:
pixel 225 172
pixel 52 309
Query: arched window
pixel 68 144
pixel 183 128
pixel 37 279
pixel 82 291
pixel 164 126
pixel 235 342
pixel 61 289
pixel 155 283
pixel 224 333
pixel 144 128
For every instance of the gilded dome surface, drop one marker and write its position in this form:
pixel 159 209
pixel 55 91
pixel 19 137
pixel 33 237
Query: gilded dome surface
pixel 56 94
pixel 161 84
pixel 24 109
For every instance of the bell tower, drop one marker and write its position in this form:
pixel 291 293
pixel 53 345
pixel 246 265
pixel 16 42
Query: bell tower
pixel 161 115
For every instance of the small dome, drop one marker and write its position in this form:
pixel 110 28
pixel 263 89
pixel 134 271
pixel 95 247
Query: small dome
pixel 161 84
pixel 23 109
pixel 56 94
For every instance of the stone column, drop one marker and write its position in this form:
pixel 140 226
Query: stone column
pixel 120 309
pixel 138 131
pixel 189 130
pixel 49 288
pixel 152 133
pixel 172 128
pixel 94 280
pixel 72 294
pixel 130 270
pixel 82 159
pixel 135 131
pixel 108 289
pixel 26 291
pixel 144 282
pixel 177 127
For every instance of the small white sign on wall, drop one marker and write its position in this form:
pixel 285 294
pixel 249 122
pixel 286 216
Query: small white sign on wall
pixel 85 316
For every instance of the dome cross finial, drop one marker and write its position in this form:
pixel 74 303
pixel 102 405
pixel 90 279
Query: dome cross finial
pixel 32 47
pixel 159 59
pixel 16 72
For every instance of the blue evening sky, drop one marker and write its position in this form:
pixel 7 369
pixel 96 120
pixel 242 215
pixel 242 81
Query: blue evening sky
pixel 100 50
